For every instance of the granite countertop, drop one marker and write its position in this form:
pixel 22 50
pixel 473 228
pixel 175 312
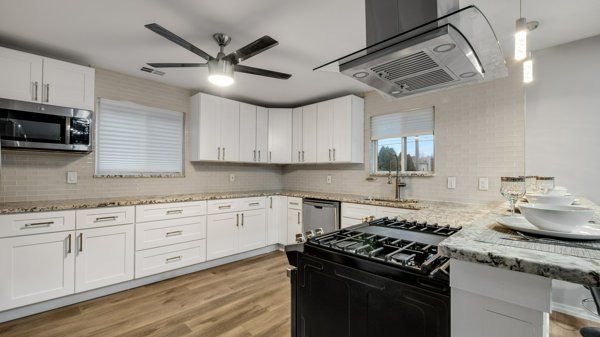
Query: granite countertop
pixel 68 204
pixel 467 245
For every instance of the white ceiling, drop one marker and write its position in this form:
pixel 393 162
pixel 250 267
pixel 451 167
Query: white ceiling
pixel 110 34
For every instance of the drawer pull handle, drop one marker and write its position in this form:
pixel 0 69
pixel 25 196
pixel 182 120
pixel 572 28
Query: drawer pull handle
pixel 106 218
pixel 294 203
pixel 174 211
pixel 254 204
pixel 225 207
pixel 173 259
pixel 173 233
pixel 38 224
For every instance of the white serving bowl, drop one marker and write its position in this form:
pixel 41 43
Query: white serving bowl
pixel 556 217
pixel 563 200
pixel 558 191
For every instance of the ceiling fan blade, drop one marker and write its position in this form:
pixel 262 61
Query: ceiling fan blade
pixel 160 30
pixel 261 72
pixel 177 65
pixel 251 49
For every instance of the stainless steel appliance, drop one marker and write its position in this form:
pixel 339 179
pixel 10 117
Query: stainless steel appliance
pixel 322 214
pixel 45 127
pixel 378 278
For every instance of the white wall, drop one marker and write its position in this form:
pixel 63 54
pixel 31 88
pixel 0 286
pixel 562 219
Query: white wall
pixel 562 133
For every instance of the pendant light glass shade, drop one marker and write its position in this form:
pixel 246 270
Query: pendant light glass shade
pixel 521 39
pixel 528 70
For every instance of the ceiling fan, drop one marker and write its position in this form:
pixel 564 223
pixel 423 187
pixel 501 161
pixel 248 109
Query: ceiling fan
pixel 222 67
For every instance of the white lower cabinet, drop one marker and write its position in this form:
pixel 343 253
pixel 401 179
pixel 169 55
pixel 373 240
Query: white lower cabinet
pixel 36 268
pixel 104 256
pixel 277 220
pixel 221 235
pixel 294 219
pixel 253 230
pixel 354 214
pixel 161 259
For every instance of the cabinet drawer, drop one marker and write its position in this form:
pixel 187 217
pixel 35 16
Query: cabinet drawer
pixel 357 211
pixel 169 211
pixel 223 206
pixel 295 203
pixel 166 232
pixel 391 212
pixel 252 203
pixel 101 217
pixel 161 259
pixel 36 222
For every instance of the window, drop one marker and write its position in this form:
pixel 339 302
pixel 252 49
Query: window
pixel 136 140
pixel 404 140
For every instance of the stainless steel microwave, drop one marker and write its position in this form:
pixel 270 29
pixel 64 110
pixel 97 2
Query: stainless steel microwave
pixel 44 127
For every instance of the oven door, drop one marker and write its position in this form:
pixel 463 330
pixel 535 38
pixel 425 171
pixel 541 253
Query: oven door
pixel 27 125
pixel 336 300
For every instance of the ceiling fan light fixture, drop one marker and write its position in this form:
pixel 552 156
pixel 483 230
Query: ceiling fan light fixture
pixel 220 72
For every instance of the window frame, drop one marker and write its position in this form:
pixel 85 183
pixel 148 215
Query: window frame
pixel 375 153
pixel 96 138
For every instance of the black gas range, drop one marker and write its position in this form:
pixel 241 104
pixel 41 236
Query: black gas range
pixel 379 278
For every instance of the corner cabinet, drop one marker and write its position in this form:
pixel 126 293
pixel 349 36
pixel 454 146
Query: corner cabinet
pixel 340 130
pixel 215 129
pixel 280 136
pixel 33 78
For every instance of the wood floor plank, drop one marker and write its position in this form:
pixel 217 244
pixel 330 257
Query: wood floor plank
pixel 249 298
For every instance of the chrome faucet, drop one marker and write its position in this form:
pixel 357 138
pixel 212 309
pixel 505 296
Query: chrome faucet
pixel 399 182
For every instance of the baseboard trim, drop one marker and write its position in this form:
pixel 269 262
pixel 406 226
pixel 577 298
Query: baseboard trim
pixel 36 308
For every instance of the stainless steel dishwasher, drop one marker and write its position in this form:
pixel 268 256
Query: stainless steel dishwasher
pixel 318 213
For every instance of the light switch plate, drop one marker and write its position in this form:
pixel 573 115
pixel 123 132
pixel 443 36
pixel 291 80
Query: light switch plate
pixel 451 182
pixel 71 177
pixel 329 179
pixel 231 177
pixel 484 184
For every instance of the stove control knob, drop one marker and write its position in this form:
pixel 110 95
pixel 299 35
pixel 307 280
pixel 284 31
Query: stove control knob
pixel 309 234
pixel 300 238
pixel 319 231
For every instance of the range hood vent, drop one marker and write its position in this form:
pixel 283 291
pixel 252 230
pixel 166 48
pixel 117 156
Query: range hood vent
pixel 457 48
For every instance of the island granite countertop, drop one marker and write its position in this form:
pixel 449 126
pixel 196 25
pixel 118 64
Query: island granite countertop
pixel 469 245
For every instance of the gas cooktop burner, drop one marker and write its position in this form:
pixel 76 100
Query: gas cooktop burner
pixel 402 243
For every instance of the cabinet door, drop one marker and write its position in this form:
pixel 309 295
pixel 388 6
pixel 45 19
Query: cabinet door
pixel 248 150
pixel 277 220
pixel 230 130
pixel 36 268
pixel 253 230
pixel 297 135
pixel 280 136
pixel 104 256
pixel 21 75
pixel 342 129
pixel 262 134
pixel 309 134
pixel 209 138
pixel 294 224
pixel 67 84
pixel 221 235
pixel 324 131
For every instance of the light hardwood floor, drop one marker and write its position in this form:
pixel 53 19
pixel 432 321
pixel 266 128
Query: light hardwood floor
pixel 247 298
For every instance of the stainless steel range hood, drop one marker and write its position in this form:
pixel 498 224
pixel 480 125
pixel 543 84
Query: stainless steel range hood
pixel 410 56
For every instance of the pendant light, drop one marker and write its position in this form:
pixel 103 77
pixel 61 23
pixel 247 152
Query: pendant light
pixel 528 69
pixel 522 27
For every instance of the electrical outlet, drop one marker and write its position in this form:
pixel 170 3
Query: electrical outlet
pixel 231 177
pixel 484 184
pixel 451 182
pixel 71 177
pixel 329 179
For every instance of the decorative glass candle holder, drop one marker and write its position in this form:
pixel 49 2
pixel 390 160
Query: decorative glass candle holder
pixel 545 184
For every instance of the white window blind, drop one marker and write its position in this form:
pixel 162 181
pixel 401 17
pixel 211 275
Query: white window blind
pixel 134 139
pixel 402 124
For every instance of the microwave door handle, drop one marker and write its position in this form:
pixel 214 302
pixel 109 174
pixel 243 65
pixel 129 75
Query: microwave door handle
pixel 68 130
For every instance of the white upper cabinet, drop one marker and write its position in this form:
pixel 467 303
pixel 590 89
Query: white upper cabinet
pixel 215 128
pixel 297 135
pixel 248 151
pixel 67 84
pixel 33 78
pixel 280 140
pixel 21 75
pixel 262 134
pixel 309 134
pixel 340 130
